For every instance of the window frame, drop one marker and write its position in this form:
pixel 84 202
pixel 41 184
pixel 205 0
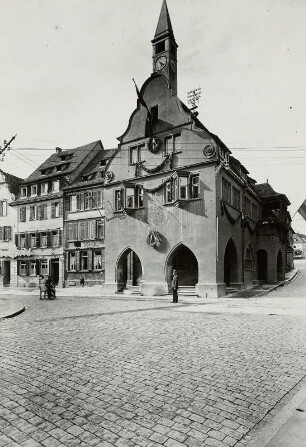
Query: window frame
pixel 44 193
pixel 23 192
pixel 35 187
pixel 55 182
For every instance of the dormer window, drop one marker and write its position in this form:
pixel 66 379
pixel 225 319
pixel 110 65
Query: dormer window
pixel 55 186
pixel 44 189
pixel 33 190
pixel 23 191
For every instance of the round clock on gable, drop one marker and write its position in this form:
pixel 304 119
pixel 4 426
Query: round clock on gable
pixel 160 63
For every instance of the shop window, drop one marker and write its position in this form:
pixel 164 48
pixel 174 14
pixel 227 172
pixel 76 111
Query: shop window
pixel 248 261
pixel 84 260
pixel 44 267
pixel 226 190
pixel 23 268
pixel 236 198
pixel 33 268
pixel 72 261
pixel 44 189
pixel 22 214
pixel 135 153
pixel 3 208
pixel 97 260
pixel 72 231
pixel 33 212
pixel 55 186
pixel 33 190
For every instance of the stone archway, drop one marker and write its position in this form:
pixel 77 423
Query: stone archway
pixel 230 263
pixel 262 265
pixel 183 260
pixel 129 270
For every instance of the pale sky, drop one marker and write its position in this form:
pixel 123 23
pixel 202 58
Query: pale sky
pixel 67 68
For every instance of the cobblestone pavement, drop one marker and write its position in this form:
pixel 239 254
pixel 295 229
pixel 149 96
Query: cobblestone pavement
pixel 124 372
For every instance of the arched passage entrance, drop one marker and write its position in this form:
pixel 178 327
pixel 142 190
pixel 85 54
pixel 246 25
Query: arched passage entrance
pixel 183 260
pixel 129 269
pixel 280 267
pixel 262 265
pixel 230 263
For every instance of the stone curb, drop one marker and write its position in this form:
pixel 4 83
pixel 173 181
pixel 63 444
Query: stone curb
pixel 13 314
pixel 281 284
pixel 267 434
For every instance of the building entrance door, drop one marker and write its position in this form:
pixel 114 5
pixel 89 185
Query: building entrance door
pixel 6 273
pixel 54 270
pixel 183 260
pixel 129 270
pixel 230 264
pixel 262 265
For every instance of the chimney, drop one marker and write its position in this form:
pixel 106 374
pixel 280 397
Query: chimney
pixel 58 150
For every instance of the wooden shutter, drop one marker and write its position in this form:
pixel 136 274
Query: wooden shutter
pixel 52 209
pixel 37 267
pixel 27 267
pixel 77 261
pixel 59 237
pixel 18 267
pixel 4 205
pixel 9 233
pixel 89 259
pixel 1 233
pixel 49 238
pixel 60 210
pixel 17 240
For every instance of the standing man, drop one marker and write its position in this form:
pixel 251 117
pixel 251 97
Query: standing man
pixel 175 286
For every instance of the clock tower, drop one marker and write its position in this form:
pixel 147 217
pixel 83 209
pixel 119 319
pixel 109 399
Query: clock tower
pixel 165 49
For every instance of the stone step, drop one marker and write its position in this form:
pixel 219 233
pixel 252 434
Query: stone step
pixel 132 290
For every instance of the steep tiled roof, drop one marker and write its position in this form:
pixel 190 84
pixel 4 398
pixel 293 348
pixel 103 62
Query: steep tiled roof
pixel 68 160
pixel 265 191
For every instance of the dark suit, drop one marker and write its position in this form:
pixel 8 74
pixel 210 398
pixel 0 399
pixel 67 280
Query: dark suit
pixel 174 288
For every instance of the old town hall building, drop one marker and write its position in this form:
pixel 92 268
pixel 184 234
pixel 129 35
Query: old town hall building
pixel 177 199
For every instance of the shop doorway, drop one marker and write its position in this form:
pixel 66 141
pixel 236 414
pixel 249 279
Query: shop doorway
pixel 230 263
pixel 183 260
pixel 129 270
pixel 54 270
pixel 262 265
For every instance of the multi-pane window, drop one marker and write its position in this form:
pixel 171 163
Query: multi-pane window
pixel 55 186
pixel 172 143
pixel 119 200
pixel 42 212
pixel 226 190
pixel 84 230
pixel 43 240
pixel 248 260
pixel 72 231
pixel 254 211
pixel 56 209
pixel 236 198
pixel 97 260
pixel 195 186
pixel 170 192
pixel 182 187
pixel 84 260
pixel 33 212
pixel 22 241
pixel 100 228
pixel 33 190
pixel 71 261
pixel 44 188
pixel 55 238
pixel 33 268
pixel 97 198
pixel 134 197
pixel 33 240
pixel 23 268
pixel 87 200
pixel 135 153
pixel 247 206
pixel 23 191
pixel 72 203
pixel 44 267
pixel 3 208
pixel 5 233
pixel 22 214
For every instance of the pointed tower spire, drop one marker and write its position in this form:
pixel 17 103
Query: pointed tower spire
pixel 165 49
pixel 164 26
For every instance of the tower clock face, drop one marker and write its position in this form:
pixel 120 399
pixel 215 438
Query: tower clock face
pixel 160 63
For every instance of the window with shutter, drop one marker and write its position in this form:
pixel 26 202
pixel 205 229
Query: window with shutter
pixel 17 240
pixel 22 214
pixel 89 260
pixel 59 237
pixel 97 260
pixel 97 198
pixel 37 240
pixel 3 208
pixel 72 231
pixel 80 201
pixel 1 234
pixel 33 240
pixel 100 226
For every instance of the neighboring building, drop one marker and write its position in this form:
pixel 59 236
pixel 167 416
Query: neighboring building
pixel 39 206
pixel 9 185
pixel 84 223
pixel 177 199
pixel 299 245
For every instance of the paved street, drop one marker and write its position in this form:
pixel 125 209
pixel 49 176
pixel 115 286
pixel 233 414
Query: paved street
pixel 136 372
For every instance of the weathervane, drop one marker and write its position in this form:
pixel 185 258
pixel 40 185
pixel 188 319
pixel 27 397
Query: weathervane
pixel 193 97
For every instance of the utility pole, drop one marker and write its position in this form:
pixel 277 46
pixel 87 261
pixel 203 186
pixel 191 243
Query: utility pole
pixel 6 147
